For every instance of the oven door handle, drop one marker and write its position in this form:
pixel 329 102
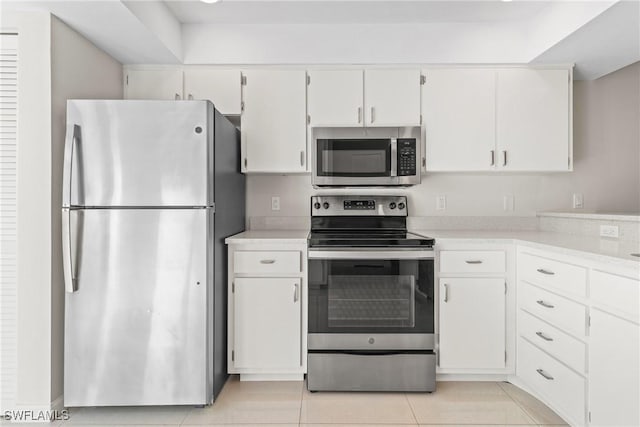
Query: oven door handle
pixel 371 254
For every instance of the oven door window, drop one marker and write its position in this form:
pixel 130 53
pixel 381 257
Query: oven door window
pixel 353 158
pixel 366 296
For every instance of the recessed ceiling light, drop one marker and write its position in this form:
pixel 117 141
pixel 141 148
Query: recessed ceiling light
pixel 209 1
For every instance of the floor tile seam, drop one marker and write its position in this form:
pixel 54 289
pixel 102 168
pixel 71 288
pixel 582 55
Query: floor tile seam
pixel 519 404
pixel 413 414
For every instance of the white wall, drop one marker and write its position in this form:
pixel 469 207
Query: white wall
pixel 79 70
pixel 606 168
pixel 54 63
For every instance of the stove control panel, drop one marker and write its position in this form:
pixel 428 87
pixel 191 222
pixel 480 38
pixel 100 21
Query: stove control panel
pixel 359 206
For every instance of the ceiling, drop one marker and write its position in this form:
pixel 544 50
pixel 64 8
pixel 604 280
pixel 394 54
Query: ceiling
pixel 352 12
pixel 599 36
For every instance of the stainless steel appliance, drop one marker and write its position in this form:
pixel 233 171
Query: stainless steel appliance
pixel 366 162
pixel 150 191
pixel 371 297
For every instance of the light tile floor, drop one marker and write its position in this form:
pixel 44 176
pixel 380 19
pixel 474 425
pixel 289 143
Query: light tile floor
pixel 290 404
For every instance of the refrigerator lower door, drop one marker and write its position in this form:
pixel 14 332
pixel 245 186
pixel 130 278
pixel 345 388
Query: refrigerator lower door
pixel 137 329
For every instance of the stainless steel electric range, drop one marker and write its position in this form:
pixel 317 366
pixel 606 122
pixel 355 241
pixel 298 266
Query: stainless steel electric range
pixel 371 297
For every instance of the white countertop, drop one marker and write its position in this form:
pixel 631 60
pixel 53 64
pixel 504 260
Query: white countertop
pixel 269 236
pixel 604 216
pixel 597 248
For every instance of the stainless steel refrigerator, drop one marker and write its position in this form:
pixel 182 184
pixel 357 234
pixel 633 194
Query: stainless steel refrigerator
pixel 150 191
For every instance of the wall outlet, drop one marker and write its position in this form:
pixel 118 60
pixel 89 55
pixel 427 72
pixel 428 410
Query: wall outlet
pixel 508 203
pixel 578 201
pixel 441 203
pixel 609 231
pixel 275 203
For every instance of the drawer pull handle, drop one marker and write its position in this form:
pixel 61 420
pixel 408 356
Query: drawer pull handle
pixel 544 374
pixel 473 261
pixel 547 272
pixel 446 292
pixel 295 293
pixel 267 261
pixel 543 336
pixel 545 304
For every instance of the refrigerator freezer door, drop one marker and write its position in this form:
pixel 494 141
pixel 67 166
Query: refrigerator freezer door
pixel 136 329
pixel 139 153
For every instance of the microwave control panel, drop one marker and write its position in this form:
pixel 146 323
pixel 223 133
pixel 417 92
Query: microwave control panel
pixel 406 156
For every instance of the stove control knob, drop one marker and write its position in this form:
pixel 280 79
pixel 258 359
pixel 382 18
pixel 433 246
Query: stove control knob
pixel 392 205
pixel 316 205
pixel 371 340
pixel 400 205
pixel 325 205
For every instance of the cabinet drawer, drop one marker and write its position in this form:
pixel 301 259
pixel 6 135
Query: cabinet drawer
pixel 276 262
pixel 557 310
pixel 555 383
pixel 566 348
pixel 618 294
pixel 472 262
pixel 565 277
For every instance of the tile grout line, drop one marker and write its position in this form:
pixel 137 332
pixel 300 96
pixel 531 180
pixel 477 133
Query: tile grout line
pixel 406 396
pixel 301 398
pixel 519 404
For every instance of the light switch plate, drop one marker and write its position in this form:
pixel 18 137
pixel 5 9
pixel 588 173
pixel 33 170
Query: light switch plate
pixel 508 203
pixel 578 201
pixel 609 231
pixel 275 203
pixel 441 203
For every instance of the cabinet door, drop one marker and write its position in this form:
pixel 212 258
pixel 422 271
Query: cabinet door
pixel 274 130
pixel 472 323
pixel 335 98
pixel 222 87
pixel 614 371
pixel 153 84
pixel 267 323
pixel 392 97
pixel 533 131
pixel 458 107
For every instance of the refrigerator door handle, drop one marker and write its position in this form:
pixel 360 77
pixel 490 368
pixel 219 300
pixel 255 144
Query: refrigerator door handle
pixel 70 284
pixel 73 134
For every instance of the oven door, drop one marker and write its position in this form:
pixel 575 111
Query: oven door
pixel 371 300
pixel 354 162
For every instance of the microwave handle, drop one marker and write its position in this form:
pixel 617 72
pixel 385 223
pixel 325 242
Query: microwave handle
pixel 394 157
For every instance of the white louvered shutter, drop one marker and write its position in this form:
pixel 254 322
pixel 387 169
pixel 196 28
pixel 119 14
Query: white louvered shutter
pixel 8 218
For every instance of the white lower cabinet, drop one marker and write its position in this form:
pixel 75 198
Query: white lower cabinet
pixel 579 337
pixel 472 310
pixel 472 323
pixel 267 311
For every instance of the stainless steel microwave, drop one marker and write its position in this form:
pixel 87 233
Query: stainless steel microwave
pixel 366 162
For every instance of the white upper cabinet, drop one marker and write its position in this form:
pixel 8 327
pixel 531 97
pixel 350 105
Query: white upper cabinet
pixel 222 87
pixel 507 119
pixel 153 84
pixel 392 97
pixel 372 98
pixel 274 132
pixel 458 106
pixel 533 119
pixel 335 98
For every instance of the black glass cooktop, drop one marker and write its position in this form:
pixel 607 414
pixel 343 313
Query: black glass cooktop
pixel 374 238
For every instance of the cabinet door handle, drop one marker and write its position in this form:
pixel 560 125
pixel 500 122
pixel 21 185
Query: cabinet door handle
pixel 267 261
pixel 359 114
pixel 177 97
pixel 545 304
pixel 504 158
pixel 190 97
pixel 473 261
pixel 543 336
pixel 493 157
pixel 301 158
pixel 245 162
pixel 547 272
pixel 446 292
pixel 373 114
pixel 295 293
pixel 544 374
